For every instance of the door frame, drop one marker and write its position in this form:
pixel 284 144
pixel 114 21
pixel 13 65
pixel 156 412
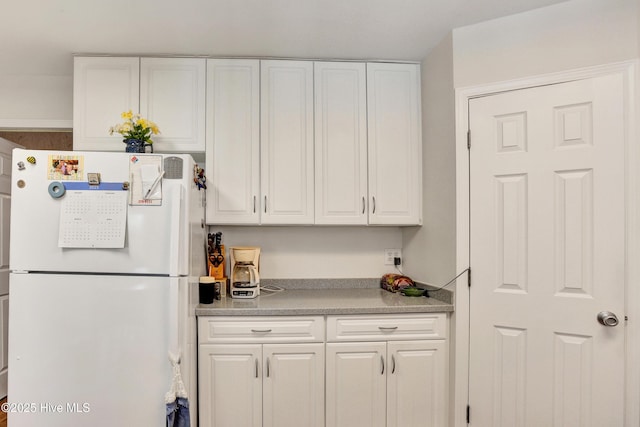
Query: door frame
pixel 459 394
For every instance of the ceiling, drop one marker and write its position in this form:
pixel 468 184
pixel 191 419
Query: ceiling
pixel 40 36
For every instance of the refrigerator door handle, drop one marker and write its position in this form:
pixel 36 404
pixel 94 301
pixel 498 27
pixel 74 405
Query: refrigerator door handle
pixel 174 238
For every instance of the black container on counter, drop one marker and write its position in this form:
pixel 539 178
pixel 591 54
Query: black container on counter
pixel 207 290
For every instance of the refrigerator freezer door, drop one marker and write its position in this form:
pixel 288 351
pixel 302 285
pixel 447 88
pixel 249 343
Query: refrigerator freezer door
pixel 93 350
pixel 157 239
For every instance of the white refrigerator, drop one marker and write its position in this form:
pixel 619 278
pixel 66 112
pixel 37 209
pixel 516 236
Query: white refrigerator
pixel 105 255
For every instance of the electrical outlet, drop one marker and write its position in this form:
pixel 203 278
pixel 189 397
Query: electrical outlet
pixel 390 254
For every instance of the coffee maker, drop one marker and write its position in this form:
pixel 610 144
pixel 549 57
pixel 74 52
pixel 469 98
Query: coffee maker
pixel 245 279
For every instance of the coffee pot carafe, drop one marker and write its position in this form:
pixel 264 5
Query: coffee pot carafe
pixel 245 278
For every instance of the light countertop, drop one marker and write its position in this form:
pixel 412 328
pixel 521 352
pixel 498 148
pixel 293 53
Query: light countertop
pixel 323 301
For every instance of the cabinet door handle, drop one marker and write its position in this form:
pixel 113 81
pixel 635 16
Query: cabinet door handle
pixel 393 364
pixel 265 204
pixel 387 328
pixel 256 368
pixel 261 331
pixel 382 363
pixel 363 205
pixel 268 367
pixel 254 204
pixel 374 204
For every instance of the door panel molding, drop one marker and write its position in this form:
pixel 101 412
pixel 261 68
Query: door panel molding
pixel 568 135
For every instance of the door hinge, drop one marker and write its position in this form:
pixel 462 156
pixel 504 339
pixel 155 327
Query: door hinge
pixel 469 140
pixel 469 277
pixel 468 414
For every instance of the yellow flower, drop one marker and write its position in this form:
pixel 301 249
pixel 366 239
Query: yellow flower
pixel 135 127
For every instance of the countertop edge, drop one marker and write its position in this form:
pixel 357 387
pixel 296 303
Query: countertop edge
pixel 204 310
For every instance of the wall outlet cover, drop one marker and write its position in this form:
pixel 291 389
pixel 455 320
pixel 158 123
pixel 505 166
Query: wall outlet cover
pixel 390 254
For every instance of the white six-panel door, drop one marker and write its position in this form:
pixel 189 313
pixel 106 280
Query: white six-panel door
pixel 547 185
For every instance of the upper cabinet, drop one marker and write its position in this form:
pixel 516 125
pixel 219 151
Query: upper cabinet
pixel 340 143
pixel 103 87
pixel 286 143
pixel 172 94
pixel 167 91
pixel 394 143
pixel 233 141
pixel 313 143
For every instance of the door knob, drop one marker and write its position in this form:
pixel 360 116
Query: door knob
pixel 607 318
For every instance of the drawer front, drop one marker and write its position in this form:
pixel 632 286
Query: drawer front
pixel 251 329
pixel 387 327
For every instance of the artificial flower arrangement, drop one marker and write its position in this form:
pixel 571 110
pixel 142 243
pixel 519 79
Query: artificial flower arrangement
pixel 135 127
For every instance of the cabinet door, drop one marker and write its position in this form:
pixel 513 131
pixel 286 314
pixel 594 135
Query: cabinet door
pixel 417 383
pixel 395 143
pixel 172 94
pixel 293 385
pixel 356 384
pixel 103 88
pixel 340 143
pixel 230 385
pixel 233 141
pixel 286 142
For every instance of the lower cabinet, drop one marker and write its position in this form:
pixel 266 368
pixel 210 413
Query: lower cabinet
pixel 286 371
pixel 261 371
pixel 393 384
pixel 253 385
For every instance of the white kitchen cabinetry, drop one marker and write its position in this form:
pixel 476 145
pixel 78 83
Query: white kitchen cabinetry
pixel 103 88
pixel 340 143
pixel 233 141
pixel 286 144
pixel 394 143
pixel 167 91
pixel 261 371
pixel 172 94
pixel 386 371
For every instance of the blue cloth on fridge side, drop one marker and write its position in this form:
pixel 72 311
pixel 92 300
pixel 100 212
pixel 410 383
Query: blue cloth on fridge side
pixel 178 413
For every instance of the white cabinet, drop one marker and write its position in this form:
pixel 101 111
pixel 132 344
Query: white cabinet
pixel 233 141
pixel 340 143
pixel 172 94
pixel 286 144
pixel 356 384
pixel 103 88
pixel 417 383
pixel 230 385
pixel 377 376
pixel 167 91
pixel 293 386
pixel 394 143
pixel 261 371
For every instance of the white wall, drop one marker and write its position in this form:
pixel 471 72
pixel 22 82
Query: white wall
pixel 575 34
pixel 429 251
pixel 316 251
pixel 36 101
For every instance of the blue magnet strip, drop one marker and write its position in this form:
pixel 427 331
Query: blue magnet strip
pixel 103 186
